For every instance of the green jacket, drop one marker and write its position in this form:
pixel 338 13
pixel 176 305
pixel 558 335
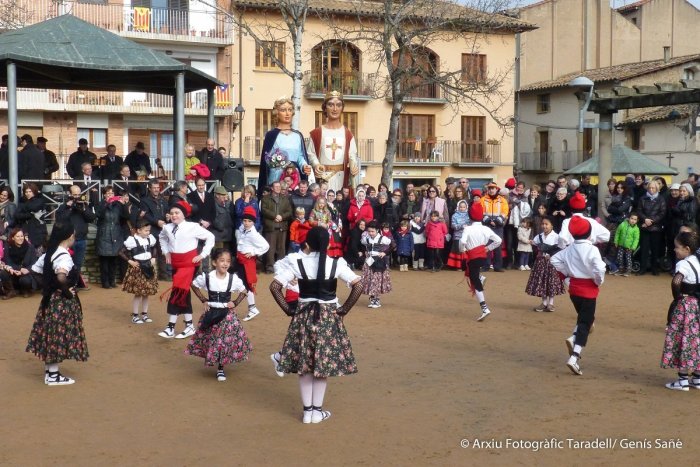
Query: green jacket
pixel 627 236
pixel 270 208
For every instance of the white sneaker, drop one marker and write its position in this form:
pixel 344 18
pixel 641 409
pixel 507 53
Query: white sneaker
pixel 484 313
pixel 146 319
pixel 527 268
pixel 572 363
pixel 319 415
pixel 522 268
pixel 136 320
pixel 187 332
pixel 168 333
pixel 308 412
pixel 482 279
pixel 570 344
pixel 276 362
pixel 371 303
pixel 678 385
pixel 58 380
pixel 377 303
pixel 220 376
pixel 252 313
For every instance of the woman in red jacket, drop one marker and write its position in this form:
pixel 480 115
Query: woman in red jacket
pixel 360 208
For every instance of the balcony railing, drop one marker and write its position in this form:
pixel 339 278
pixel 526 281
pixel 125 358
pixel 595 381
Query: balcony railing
pixel 535 161
pixel 434 150
pixel 109 101
pixel 197 26
pixel 252 146
pixel 352 83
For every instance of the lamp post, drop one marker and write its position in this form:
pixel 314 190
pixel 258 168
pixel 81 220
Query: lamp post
pixel 239 113
pixel 604 127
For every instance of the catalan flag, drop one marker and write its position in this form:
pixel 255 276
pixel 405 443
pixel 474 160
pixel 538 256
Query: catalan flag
pixel 223 95
pixel 142 19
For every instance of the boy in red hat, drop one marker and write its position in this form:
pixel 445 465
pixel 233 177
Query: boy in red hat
pixel 178 242
pixel 599 234
pixel 580 264
pixel 250 245
pixel 477 240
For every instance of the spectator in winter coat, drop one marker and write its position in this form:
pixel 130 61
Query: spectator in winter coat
pixel 404 245
pixel 652 211
pixel 360 208
pixel 224 213
pixel 247 199
pixel 435 232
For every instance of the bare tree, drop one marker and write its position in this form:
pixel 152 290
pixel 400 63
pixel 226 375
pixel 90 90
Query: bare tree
pixel 14 14
pixel 398 36
pixel 268 30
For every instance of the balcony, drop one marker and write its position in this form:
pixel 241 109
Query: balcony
pixel 158 24
pixel 252 147
pixel 428 93
pixel 110 102
pixel 354 85
pixel 535 161
pixel 444 152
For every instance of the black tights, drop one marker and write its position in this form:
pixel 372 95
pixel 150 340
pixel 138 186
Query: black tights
pixel 475 266
pixel 585 308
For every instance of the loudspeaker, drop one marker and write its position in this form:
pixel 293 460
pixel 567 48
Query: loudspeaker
pixel 234 163
pixel 233 179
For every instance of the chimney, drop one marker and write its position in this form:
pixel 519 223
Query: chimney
pixel 667 53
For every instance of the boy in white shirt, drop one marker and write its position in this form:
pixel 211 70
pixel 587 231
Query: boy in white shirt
pixel 250 245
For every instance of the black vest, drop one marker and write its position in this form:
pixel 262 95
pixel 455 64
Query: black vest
pixel 319 290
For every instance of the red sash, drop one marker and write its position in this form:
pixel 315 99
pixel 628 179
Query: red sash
pixel 249 266
pixel 182 277
pixel 585 288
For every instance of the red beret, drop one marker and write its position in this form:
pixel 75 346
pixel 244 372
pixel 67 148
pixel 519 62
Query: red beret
pixel 476 212
pixel 510 184
pixel 577 202
pixel 249 213
pixel 579 227
pixel 476 192
pixel 183 206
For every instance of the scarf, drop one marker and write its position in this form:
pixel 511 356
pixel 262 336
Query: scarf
pixel 17 253
pixel 654 196
pixel 183 275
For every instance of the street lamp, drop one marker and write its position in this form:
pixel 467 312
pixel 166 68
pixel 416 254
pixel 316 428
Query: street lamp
pixel 238 114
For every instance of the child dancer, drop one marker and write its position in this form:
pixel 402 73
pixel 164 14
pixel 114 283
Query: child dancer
pixel 298 230
pixel 140 279
pixel 582 264
pixel 544 280
pixel 404 245
pixel 250 245
pixel 57 333
pixel 220 339
pixel 435 232
pixel 178 242
pixel 459 219
pixel 626 241
pixel 476 241
pixel 682 343
pixel 524 245
pixel 418 233
pixel 375 271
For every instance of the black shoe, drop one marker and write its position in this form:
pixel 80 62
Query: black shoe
pixel 498 270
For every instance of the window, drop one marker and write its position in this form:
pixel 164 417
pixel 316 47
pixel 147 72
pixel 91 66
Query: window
pixel 419 66
pixel 473 139
pixel 263 59
pixel 473 68
pixel 633 138
pixel 97 138
pixel 688 73
pixel 416 137
pixel 349 119
pixel 543 105
pixel 335 66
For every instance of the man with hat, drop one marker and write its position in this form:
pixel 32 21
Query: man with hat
pixel 333 151
pixel 250 246
pixel 50 160
pixel 582 267
pixel 495 214
pixel 224 214
pixel 179 241
pixel 76 160
pixel 599 234
pixel 30 160
pixel 138 161
pixel 450 183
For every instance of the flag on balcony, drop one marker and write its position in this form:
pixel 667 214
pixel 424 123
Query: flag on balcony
pixel 223 95
pixel 142 19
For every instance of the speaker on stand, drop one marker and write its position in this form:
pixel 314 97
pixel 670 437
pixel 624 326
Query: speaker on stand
pixel 233 179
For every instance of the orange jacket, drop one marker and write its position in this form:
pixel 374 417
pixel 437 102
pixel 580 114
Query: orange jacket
pixel 495 207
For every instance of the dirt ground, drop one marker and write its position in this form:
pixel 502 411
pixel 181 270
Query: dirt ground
pixel 430 376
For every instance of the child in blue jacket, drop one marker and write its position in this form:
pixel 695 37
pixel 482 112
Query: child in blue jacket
pixel 404 245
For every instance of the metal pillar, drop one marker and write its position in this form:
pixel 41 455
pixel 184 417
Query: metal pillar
pixel 179 128
pixel 13 178
pixel 605 141
pixel 211 106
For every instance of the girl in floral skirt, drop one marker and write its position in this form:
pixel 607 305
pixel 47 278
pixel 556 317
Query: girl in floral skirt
pixel 544 280
pixel 682 344
pixel 220 339
pixel 375 271
pixel 140 279
pixel 317 345
pixel 58 333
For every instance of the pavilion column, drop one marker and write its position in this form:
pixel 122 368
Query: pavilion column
pixel 179 127
pixel 604 157
pixel 13 178
pixel 211 105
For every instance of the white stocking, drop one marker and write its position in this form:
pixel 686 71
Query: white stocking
pixel 136 304
pixel 480 295
pixel 188 317
pixel 251 300
pixel 144 304
pixel 319 390
pixel 306 383
pixel 52 367
pixel 172 319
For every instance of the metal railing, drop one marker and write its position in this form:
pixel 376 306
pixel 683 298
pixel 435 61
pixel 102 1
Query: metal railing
pixel 108 101
pixel 196 26
pixel 422 91
pixel 448 152
pixel 535 161
pixel 352 83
